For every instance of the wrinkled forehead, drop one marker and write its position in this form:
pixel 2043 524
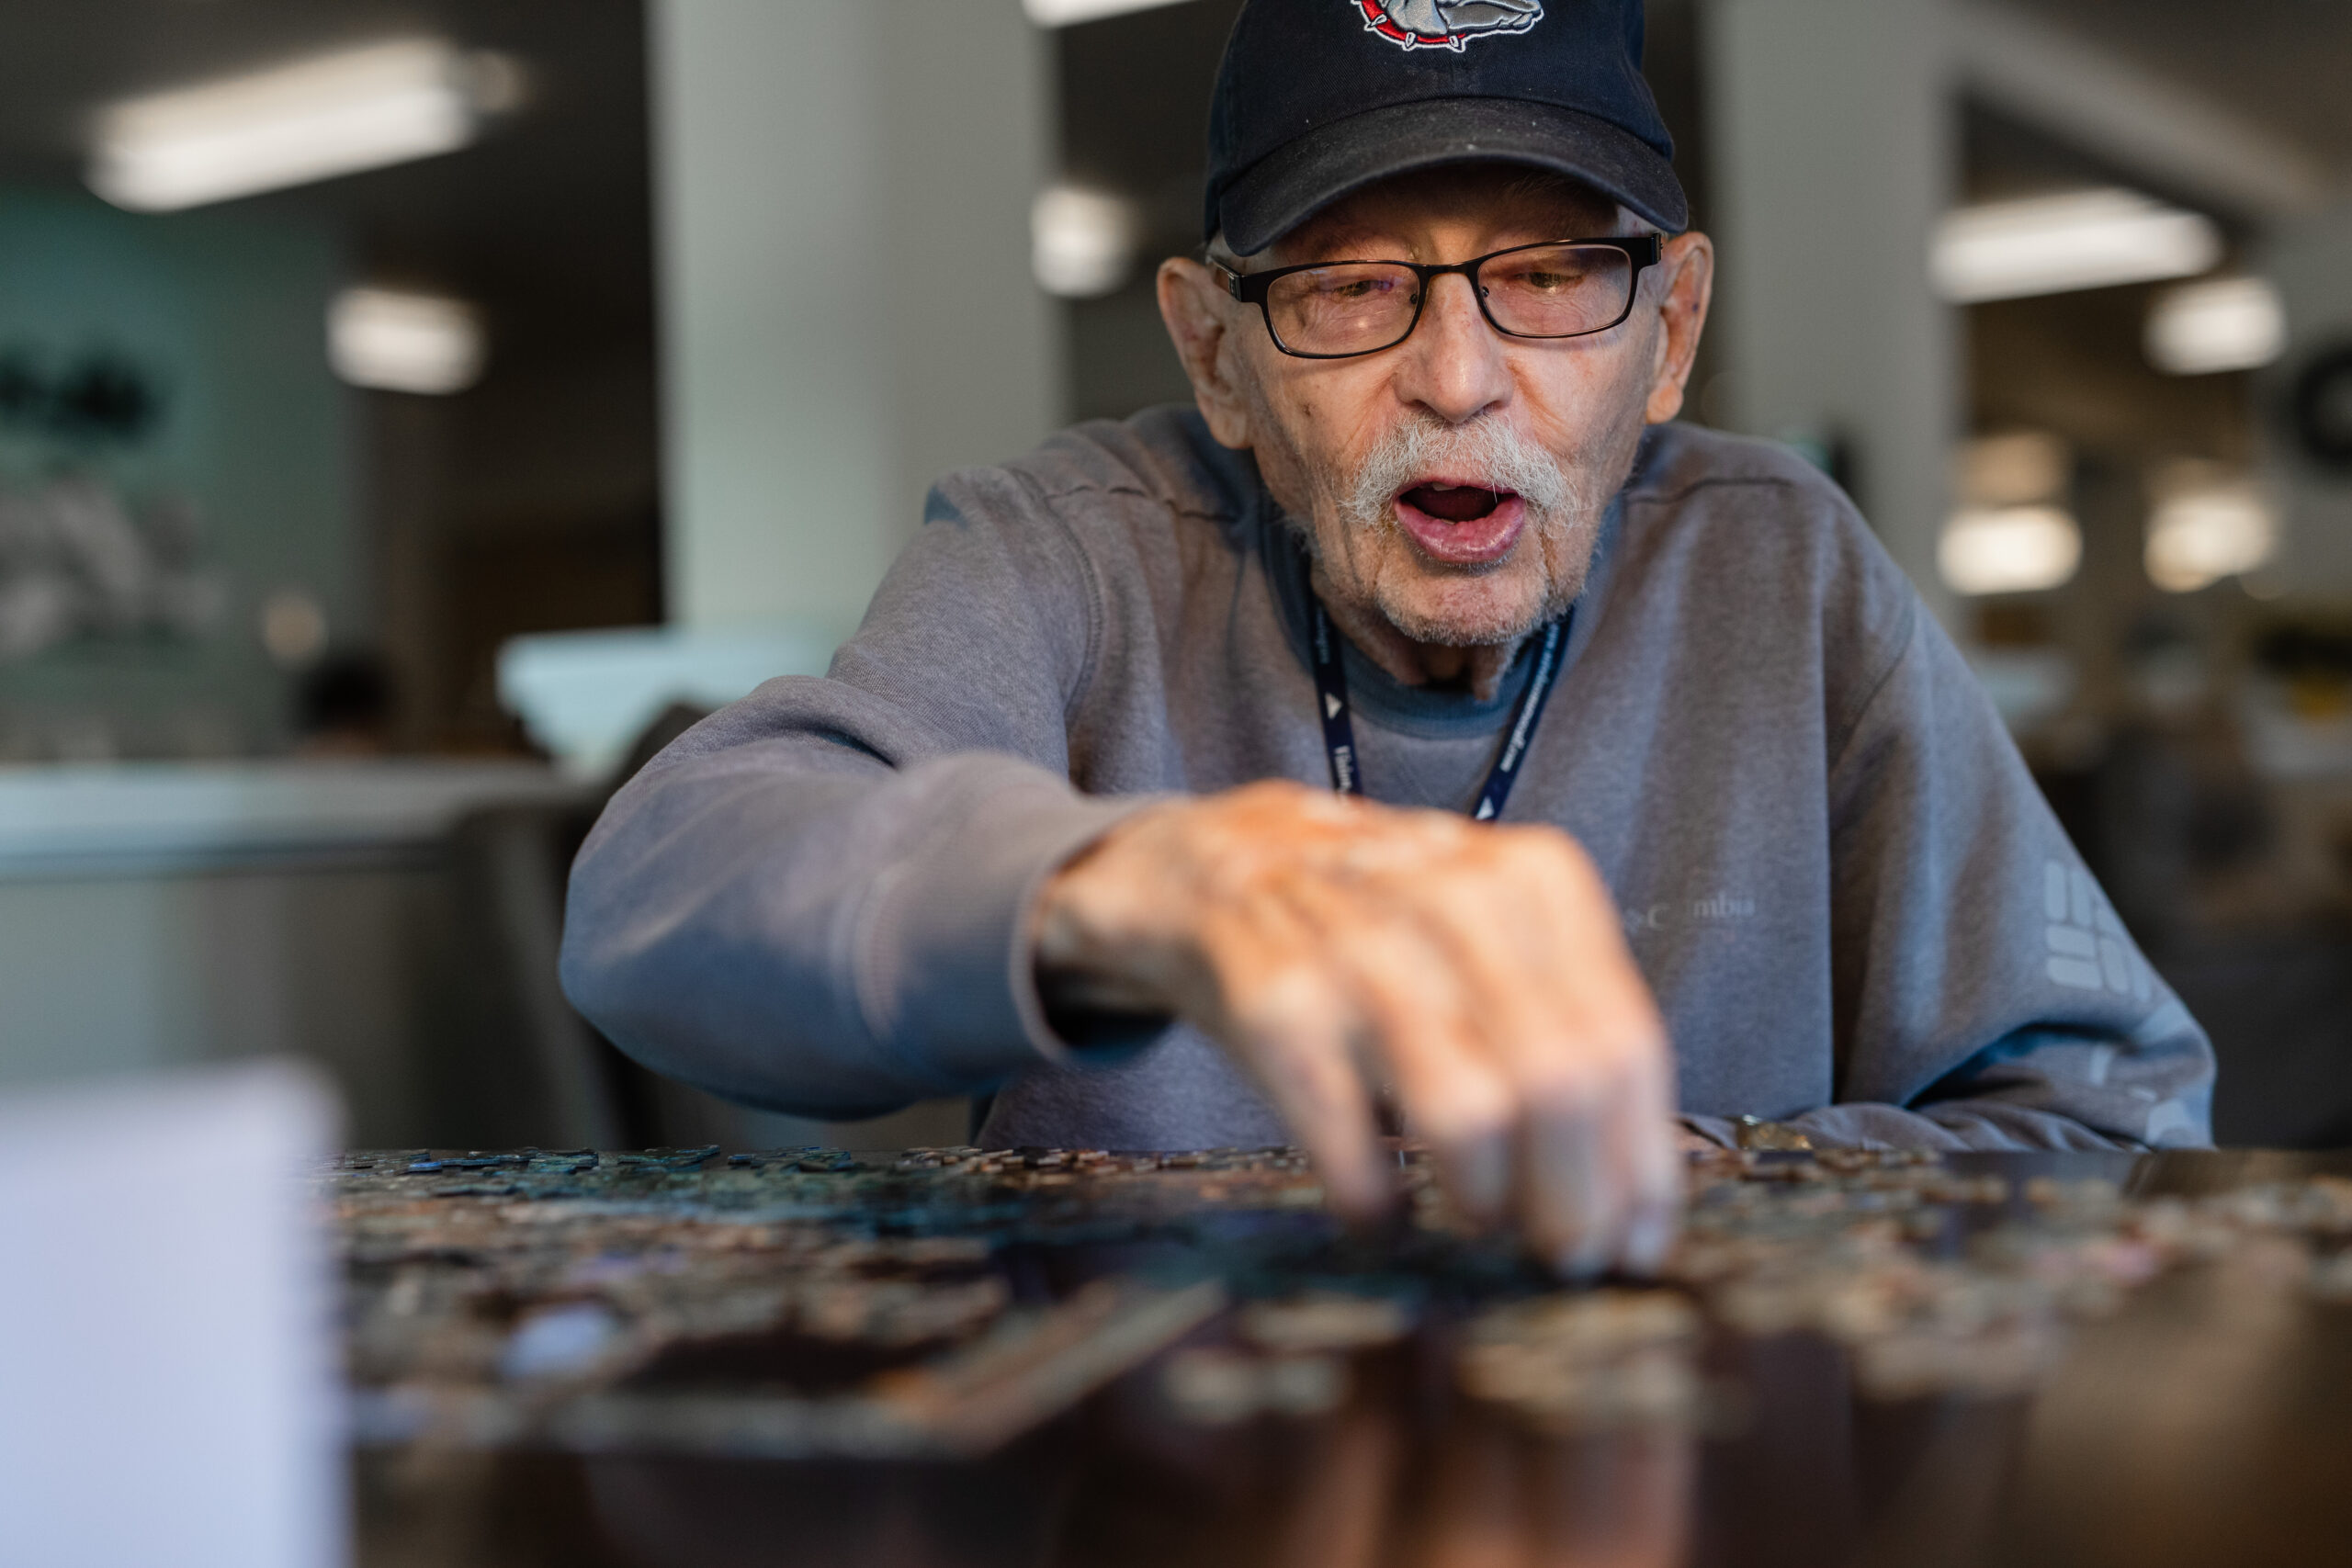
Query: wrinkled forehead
pixel 1403 214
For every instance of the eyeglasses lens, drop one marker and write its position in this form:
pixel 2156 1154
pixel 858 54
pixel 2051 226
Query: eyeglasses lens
pixel 1354 308
pixel 1557 290
pixel 1363 306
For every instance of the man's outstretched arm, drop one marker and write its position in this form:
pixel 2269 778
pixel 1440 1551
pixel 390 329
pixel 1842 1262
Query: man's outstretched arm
pixel 815 901
pixel 839 895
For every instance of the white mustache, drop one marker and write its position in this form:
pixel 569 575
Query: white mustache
pixel 1486 451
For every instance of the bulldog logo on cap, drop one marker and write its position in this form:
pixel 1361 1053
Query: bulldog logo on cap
pixel 1446 24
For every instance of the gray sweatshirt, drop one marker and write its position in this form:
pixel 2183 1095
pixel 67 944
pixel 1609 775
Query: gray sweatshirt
pixel 1856 910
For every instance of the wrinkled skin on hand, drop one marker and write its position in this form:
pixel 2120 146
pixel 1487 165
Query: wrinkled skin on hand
pixel 1476 976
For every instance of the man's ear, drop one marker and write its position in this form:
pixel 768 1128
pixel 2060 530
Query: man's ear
pixel 1688 267
pixel 1198 314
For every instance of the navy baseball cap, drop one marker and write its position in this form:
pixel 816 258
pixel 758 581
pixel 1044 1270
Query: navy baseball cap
pixel 1317 99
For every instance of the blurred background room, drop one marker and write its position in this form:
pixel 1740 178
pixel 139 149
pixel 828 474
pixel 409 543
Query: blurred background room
pixel 412 411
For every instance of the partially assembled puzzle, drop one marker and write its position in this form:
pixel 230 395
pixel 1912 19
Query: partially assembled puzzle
pixel 938 1303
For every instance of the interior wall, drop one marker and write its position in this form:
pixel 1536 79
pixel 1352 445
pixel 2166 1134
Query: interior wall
pixel 847 310
pixel 224 315
pixel 1833 139
pixel 2306 257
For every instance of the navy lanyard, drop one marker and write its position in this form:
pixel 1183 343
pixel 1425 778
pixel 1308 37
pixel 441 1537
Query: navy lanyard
pixel 1340 732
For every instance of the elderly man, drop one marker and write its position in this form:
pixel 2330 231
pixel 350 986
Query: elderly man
pixel 1683 802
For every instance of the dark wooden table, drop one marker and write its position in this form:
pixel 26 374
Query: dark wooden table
pixel 2206 1420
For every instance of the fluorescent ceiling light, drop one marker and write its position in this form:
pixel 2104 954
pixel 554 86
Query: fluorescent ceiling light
pixel 334 114
pixel 1062 13
pixel 2208 525
pixel 2230 323
pixel 2010 549
pixel 2053 244
pixel 1082 242
pixel 400 341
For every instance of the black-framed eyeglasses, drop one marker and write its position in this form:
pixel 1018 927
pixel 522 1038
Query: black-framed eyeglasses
pixel 1554 288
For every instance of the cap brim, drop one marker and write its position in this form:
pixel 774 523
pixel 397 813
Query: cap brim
pixel 1290 184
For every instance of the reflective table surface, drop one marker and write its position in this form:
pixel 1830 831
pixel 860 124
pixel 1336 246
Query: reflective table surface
pixel 809 1358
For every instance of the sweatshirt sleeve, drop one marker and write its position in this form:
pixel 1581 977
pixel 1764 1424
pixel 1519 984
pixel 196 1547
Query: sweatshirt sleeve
pixel 815 901
pixel 1987 996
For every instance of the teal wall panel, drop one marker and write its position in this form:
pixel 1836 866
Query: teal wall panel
pixel 222 314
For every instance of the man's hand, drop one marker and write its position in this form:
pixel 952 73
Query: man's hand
pixel 1476 974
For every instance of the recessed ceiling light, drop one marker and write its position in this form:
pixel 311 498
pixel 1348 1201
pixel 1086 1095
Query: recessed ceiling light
pixel 2054 244
pixel 1082 242
pixel 400 341
pixel 312 119
pixel 2230 323
pixel 2208 523
pixel 2010 549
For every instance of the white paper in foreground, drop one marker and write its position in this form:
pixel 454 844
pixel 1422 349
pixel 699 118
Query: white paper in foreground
pixel 168 1391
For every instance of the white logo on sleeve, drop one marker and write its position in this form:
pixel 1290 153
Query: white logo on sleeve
pixel 2088 949
pixel 1446 24
pixel 2169 1124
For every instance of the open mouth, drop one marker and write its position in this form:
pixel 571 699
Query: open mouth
pixel 1461 525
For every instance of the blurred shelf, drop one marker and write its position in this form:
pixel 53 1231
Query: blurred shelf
pixel 163 818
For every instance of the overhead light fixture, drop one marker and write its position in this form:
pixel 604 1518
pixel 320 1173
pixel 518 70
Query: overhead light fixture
pixel 2208 523
pixel 2010 549
pixel 2230 323
pixel 2054 244
pixel 398 342
pixel 1082 242
pixel 1063 13
pixel 312 119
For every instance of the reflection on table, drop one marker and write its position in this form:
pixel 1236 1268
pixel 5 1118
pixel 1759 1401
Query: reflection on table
pixel 1049 1358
